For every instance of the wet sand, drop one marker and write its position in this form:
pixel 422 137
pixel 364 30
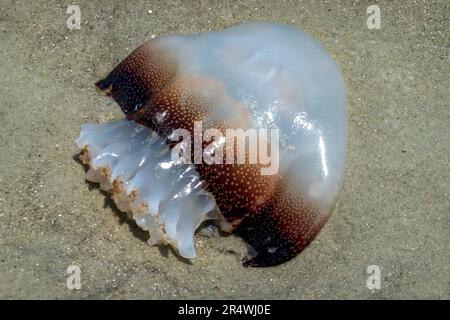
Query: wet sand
pixel 393 211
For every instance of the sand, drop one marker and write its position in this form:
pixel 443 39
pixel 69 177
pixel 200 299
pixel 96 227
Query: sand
pixel 393 211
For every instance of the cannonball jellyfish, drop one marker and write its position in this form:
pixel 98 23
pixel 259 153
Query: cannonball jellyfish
pixel 248 77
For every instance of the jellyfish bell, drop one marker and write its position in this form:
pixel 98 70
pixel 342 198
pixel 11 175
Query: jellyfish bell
pixel 259 76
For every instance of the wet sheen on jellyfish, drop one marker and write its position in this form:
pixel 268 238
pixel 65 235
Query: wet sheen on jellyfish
pixel 252 76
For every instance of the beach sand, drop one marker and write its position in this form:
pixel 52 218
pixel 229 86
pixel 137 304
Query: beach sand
pixel 393 211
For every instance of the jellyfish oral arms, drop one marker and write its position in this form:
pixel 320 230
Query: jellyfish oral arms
pixel 207 116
